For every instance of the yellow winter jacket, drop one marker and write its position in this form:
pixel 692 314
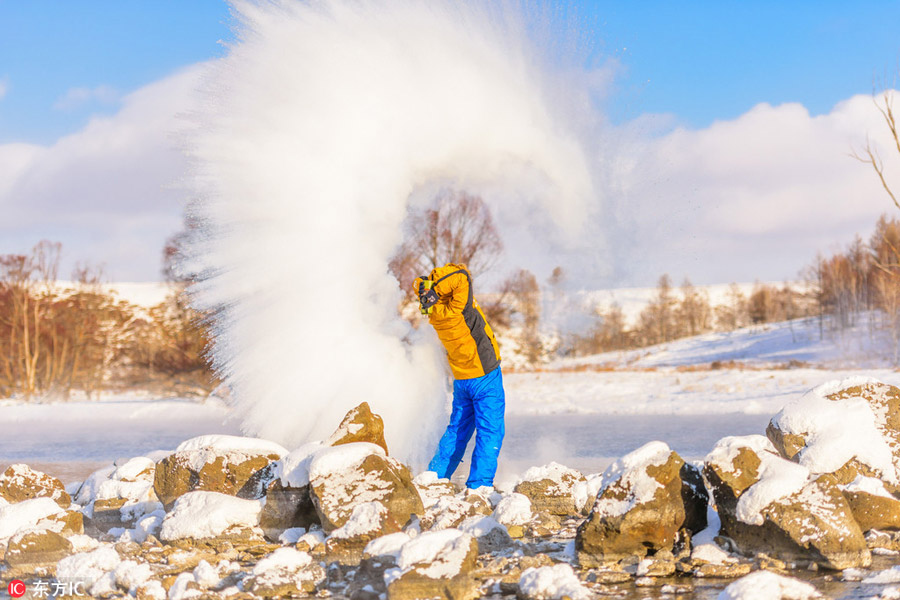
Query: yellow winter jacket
pixel 471 348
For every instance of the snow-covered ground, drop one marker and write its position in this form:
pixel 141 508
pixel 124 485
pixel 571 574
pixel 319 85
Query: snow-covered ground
pixel 581 412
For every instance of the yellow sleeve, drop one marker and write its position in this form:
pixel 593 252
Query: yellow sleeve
pixel 453 294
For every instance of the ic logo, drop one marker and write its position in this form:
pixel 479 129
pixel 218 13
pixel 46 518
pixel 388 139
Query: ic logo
pixel 16 588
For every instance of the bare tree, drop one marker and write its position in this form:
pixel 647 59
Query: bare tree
pixel 458 229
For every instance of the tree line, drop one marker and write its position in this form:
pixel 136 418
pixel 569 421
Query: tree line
pixel 58 338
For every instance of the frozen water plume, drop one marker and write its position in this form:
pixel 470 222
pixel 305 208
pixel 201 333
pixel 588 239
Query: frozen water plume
pixel 319 128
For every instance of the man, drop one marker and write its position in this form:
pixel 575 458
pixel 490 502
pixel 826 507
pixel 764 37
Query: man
pixel 478 399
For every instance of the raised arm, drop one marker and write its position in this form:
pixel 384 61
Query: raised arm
pixel 452 287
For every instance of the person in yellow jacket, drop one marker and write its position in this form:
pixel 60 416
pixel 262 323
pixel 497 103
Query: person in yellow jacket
pixel 479 402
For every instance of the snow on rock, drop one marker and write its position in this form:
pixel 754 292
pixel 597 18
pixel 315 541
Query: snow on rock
pixel 341 458
pixel 552 583
pixel 201 515
pixel 130 575
pixel 88 489
pixel 891 575
pixel 367 518
pixel 21 482
pixel 293 468
pixel 712 554
pixel 145 527
pixel 513 509
pixel 436 555
pixel 841 422
pixel 231 443
pixel 650 485
pixel 873 506
pixel 387 545
pixel 284 572
pixel 769 585
pixel 431 488
pixel 449 511
pixel 291 536
pixel 491 535
pixel 27 515
pixel 555 489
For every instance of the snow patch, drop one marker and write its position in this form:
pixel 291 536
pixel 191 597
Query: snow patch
pixel 25 515
pixel 341 458
pixel 232 443
pixel 435 554
pixel 293 468
pixel 513 509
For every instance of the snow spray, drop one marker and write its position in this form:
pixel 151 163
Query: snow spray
pixel 320 127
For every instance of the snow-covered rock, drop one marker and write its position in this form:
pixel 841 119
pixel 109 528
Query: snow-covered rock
pixel 20 482
pixel 449 511
pixel 431 488
pixel 123 497
pixel 552 583
pixel 234 465
pixel 345 476
pixel 771 505
pixel 368 521
pixel 872 505
pixel 288 503
pixel 555 489
pixel 488 532
pixel 646 498
pixel 88 567
pixel 769 585
pixel 36 547
pixel 846 428
pixel 202 515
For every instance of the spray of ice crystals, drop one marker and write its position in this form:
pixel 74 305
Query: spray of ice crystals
pixel 319 127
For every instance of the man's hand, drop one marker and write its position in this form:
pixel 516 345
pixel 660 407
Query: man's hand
pixel 427 298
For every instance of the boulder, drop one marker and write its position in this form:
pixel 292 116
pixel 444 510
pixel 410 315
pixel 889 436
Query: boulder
pixel 435 564
pixel 490 535
pixel 123 497
pixel 431 488
pixel 645 500
pixel 768 504
pixel 846 428
pixel 555 489
pixel 20 482
pixel 360 425
pixel 236 466
pixel 345 476
pixel 286 572
pixel 37 548
pixel 513 509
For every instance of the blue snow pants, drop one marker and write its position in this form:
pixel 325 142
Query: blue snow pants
pixel 478 405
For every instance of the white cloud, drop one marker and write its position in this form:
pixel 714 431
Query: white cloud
pixel 107 192
pixel 80 96
pixel 754 197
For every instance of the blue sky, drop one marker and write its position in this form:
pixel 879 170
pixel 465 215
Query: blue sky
pixel 88 88
pixel 699 61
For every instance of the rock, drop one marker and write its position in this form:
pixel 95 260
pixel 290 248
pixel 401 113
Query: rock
pixel 20 482
pixel 641 506
pixel 345 476
pixel 37 548
pixel 771 505
pixel 554 489
pixel 360 425
pixel 871 504
pixel 236 466
pixel 368 521
pixel 435 564
pixel 286 508
pixel 490 535
pixel 121 497
pixel 768 585
pixel 845 428
pixel 286 572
